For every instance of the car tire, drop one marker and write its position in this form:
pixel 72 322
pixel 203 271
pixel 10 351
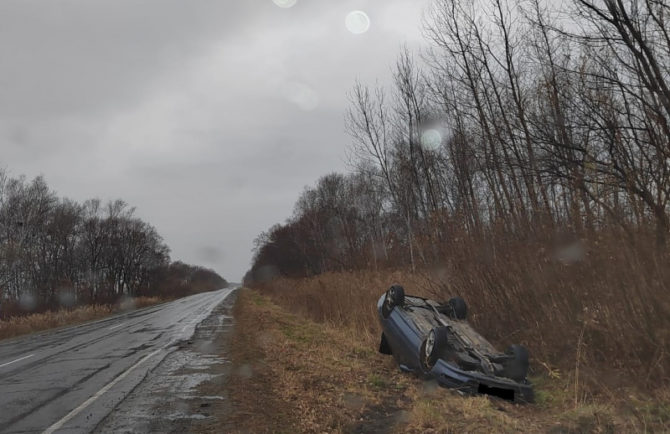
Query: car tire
pixel 384 346
pixel 395 296
pixel 455 308
pixel 516 367
pixel 433 346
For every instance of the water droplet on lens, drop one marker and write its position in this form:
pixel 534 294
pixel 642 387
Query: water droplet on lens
pixel 431 139
pixel 301 95
pixel 285 3
pixel 28 302
pixel 357 22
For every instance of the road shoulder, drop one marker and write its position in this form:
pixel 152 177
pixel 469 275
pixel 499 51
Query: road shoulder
pixel 290 374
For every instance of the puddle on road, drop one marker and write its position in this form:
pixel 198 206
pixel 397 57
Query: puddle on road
pixel 211 397
pixel 178 416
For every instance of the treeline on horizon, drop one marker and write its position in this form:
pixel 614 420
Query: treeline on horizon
pixel 58 253
pixel 516 122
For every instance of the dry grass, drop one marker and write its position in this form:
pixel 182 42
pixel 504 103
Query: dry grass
pixel 42 321
pixel 602 305
pixel 21 325
pixel 602 320
pixel 589 399
pixel 293 374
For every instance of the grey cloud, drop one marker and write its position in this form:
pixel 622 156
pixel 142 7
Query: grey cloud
pixel 180 107
pixel 64 56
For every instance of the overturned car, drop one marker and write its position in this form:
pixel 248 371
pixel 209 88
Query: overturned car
pixel 434 340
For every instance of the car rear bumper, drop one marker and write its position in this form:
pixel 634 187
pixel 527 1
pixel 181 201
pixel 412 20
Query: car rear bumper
pixel 476 382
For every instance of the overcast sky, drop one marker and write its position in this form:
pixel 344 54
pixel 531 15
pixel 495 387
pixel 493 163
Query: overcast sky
pixel 209 117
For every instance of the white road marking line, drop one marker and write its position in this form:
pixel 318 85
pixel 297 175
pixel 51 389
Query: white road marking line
pixel 97 395
pixel 17 360
pixel 117 326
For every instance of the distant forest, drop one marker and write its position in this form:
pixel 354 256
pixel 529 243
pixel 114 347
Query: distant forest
pixel 55 253
pixel 516 123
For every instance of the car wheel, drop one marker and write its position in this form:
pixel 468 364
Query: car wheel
pixel 395 296
pixel 455 308
pixel 384 346
pixel 433 346
pixel 516 367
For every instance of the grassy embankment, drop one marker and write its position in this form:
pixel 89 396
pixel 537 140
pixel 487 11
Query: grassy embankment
pixel 305 359
pixel 21 325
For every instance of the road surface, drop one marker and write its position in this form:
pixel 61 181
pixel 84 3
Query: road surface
pixel 68 380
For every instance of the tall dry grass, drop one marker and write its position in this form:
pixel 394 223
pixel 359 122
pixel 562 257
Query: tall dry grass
pixel 21 325
pixel 340 299
pixel 25 324
pixel 596 311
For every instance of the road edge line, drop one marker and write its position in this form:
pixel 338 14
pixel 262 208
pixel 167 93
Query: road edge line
pixel 17 360
pixel 98 394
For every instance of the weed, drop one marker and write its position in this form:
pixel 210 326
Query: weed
pixel 376 380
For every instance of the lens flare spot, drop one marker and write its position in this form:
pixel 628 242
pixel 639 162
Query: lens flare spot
pixel 285 3
pixel 357 22
pixel 431 139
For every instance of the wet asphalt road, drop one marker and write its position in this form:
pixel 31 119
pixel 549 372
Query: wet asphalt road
pixel 69 380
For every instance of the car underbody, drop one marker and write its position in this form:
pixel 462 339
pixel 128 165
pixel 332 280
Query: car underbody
pixel 432 341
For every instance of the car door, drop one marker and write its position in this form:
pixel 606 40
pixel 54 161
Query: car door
pixel 403 337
